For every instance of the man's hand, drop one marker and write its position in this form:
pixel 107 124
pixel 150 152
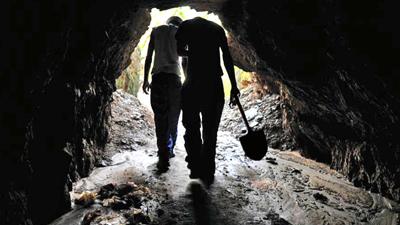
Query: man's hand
pixel 234 93
pixel 146 87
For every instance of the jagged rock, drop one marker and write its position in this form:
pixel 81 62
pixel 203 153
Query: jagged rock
pixel 275 219
pixel 136 216
pixel 296 171
pixel 106 191
pixel 116 203
pixel 123 196
pixel 160 212
pixel 264 113
pixel 133 199
pixel 90 216
pixel 320 197
pixel 124 189
pixel 86 198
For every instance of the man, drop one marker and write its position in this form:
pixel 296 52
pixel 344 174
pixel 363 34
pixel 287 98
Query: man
pixel 202 93
pixel 165 87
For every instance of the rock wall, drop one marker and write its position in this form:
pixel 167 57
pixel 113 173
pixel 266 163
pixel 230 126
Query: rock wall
pixel 333 63
pixel 59 62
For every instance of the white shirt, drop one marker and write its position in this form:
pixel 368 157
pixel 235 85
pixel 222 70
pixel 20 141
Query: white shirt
pixel 166 58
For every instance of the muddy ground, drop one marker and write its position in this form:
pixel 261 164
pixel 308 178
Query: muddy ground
pixel 283 188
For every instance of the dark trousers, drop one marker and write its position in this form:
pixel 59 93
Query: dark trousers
pixel 202 105
pixel 165 100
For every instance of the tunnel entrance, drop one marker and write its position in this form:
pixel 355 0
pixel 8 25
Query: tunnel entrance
pixel 285 188
pixel 323 87
pixel 131 78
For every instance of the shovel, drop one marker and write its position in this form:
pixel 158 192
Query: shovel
pixel 254 142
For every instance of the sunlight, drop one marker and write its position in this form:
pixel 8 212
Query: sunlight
pixel 132 77
pixel 158 18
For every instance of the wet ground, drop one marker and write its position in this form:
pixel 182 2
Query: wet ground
pixel 283 188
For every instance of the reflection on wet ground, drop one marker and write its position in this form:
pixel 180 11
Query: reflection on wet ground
pixel 201 203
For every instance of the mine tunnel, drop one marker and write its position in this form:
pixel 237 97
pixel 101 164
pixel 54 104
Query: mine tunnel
pixel 324 89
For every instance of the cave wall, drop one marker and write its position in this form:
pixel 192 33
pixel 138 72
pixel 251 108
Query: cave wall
pixel 332 62
pixel 59 62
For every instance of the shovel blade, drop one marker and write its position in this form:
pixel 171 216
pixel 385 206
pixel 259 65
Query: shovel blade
pixel 254 144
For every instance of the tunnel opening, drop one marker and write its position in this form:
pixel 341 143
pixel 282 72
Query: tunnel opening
pixel 125 121
pixel 261 100
pixel 339 112
pixel 253 86
pixel 131 78
pixel 261 96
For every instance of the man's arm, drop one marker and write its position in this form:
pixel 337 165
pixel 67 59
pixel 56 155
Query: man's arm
pixel 228 63
pixel 181 42
pixel 147 64
pixel 182 49
pixel 184 65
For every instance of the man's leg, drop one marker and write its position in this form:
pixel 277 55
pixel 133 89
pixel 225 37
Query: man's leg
pixel 191 122
pixel 159 104
pixel 211 117
pixel 174 97
pixel 211 112
pixel 171 146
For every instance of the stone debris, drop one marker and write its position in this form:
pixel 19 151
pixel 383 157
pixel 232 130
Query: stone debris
pixel 116 203
pixel 90 216
pixel 160 212
pixel 271 160
pixel 121 204
pixel 275 219
pixel 136 216
pixel 86 198
pixel 263 112
pixel 128 117
pixel 122 196
pixel 320 197
pixel 296 171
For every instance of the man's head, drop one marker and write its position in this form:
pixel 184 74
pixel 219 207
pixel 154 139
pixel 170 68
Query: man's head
pixel 174 20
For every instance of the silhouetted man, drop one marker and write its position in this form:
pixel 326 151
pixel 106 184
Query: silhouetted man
pixel 166 85
pixel 202 92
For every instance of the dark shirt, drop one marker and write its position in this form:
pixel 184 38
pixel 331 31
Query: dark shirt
pixel 203 39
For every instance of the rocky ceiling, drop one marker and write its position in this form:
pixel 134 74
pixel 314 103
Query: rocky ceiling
pixel 334 64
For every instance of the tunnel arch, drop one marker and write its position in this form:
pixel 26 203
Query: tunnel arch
pixel 340 99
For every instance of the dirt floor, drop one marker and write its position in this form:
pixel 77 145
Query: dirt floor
pixel 283 188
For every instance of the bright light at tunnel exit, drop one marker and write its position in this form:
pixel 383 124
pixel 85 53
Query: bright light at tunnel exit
pixel 159 17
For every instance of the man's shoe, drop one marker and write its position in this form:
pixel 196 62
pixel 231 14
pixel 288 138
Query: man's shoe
pixel 207 175
pixel 194 174
pixel 194 170
pixel 207 179
pixel 162 165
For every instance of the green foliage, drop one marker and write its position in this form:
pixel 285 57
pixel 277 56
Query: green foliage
pixel 129 80
pixel 243 78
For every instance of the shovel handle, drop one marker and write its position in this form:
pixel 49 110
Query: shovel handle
pixel 242 113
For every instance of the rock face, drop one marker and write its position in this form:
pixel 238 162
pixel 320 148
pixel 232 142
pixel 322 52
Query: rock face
pixel 262 112
pixel 59 64
pixel 332 64
pixel 333 69
pixel 128 133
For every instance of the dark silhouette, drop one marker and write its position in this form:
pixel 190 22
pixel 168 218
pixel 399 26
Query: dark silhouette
pixel 202 205
pixel 202 93
pixel 165 88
